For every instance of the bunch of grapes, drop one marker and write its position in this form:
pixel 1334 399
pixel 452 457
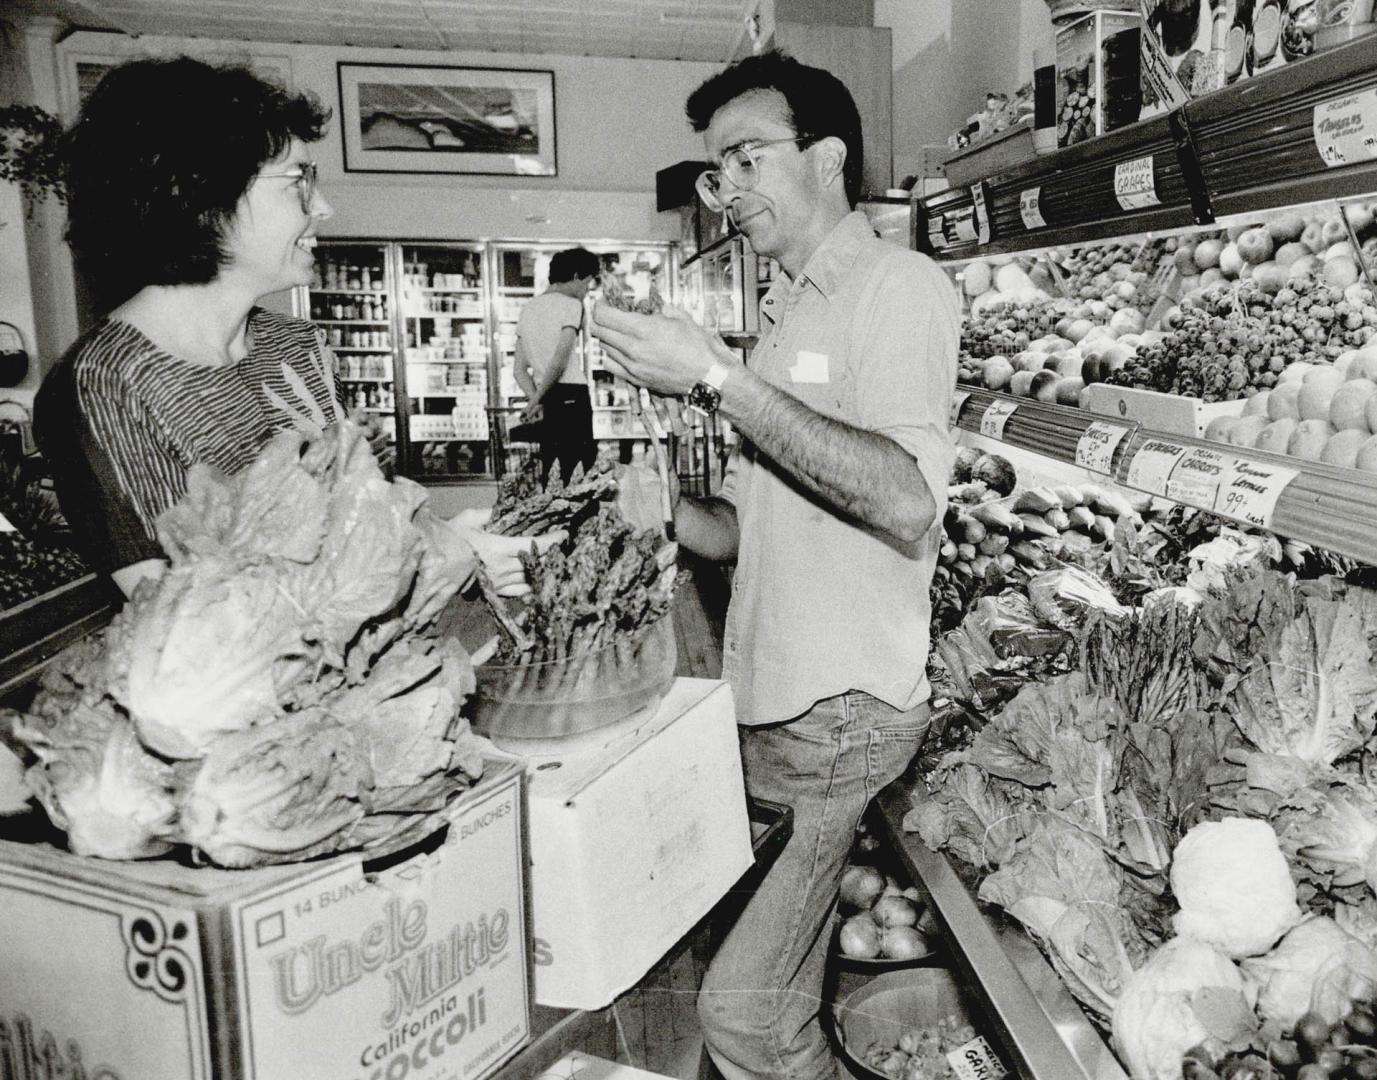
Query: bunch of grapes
pixel 1009 327
pixel 1235 340
pixel 1316 1050
pixel 1087 273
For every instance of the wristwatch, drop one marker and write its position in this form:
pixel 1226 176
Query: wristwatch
pixel 706 394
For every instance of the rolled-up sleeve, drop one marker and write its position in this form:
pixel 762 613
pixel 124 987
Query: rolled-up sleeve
pixel 909 333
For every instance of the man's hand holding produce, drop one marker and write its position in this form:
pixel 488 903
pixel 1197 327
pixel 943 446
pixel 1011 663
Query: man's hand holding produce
pixel 666 353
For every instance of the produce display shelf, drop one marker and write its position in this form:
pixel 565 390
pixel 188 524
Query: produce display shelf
pixel 1034 1017
pixel 1249 147
pixel 1329 507
pixel 1256 139
pixel 37 630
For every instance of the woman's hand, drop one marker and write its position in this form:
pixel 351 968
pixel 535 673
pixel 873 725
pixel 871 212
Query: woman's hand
pixel 501 555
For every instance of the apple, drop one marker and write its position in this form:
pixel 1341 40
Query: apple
pixel 1313 238
pixel 1289 253
pixel 1255 245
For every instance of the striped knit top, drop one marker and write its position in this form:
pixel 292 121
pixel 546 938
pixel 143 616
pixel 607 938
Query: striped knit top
pixel 120 422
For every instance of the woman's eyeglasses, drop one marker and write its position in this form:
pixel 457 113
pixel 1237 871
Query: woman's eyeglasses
pixel 741 166
pixel 305 176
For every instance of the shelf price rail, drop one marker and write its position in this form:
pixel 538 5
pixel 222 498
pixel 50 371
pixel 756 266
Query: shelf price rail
pixel 1262 144
pixel 1324 505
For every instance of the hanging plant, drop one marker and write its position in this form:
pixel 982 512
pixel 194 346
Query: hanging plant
pixel 28 151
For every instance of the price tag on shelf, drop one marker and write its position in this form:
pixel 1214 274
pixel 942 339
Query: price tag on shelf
pixel 1152 464
pixel 1249 491
pixel 958 399
pixel 1134 186
pixel 1195 480
pixel 1095 448
pixel 982 212
pixel 1346 128
pixel 975 1060
pixel 994 418
pixel 1030 208
pixel 963 225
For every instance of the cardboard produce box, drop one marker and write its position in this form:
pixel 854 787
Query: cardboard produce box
pixel 418 968
pixel 632 842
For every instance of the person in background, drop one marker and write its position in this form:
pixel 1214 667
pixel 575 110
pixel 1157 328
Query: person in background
pixel 191 195
pixel 832 507
pixel 548 366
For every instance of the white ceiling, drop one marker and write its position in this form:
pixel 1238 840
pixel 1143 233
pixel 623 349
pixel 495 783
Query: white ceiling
pixel 706 30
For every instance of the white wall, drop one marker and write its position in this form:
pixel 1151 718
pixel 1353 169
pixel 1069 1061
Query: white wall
pixel 948 54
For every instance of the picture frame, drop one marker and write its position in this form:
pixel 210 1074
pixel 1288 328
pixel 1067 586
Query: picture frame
pixel 418 118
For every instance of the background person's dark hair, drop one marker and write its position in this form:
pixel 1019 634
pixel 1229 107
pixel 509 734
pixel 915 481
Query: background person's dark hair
pixel 819 104
pixel 157 161
pixel 573 263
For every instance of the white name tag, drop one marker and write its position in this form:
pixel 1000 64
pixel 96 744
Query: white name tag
pixel 809 367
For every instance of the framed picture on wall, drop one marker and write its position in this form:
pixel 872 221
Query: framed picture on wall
pixel 435 119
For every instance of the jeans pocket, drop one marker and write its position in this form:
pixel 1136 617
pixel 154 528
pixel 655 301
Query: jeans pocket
pixel 893 736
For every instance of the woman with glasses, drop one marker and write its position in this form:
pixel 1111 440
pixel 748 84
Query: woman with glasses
pixel 191 195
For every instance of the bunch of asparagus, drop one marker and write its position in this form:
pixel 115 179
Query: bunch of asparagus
pixel 606 586
pixel 525 508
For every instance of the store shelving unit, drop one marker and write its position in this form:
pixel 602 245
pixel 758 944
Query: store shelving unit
pixel 1245 149
pixel 1030 1012
pixel 1256 146
pixel 1249 147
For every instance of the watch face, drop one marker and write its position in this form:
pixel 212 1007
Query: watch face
pixel 704 398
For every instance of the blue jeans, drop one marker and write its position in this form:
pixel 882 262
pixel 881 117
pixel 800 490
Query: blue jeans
pixel 761 998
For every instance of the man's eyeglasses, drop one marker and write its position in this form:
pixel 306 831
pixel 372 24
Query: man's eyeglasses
pixel 305 176
pixel 740 165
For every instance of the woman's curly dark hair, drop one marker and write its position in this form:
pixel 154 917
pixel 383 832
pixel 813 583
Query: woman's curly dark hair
pixel 157 162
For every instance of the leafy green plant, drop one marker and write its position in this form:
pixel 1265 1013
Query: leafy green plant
pixel 28 151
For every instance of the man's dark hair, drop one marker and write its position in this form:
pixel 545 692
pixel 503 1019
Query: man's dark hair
pixel 157 162
pixel 818 103
pixel 572 263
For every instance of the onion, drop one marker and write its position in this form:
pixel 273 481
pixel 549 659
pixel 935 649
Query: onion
pixel 903 943
pixel 894 911
pixel 859 937
pixel 861 886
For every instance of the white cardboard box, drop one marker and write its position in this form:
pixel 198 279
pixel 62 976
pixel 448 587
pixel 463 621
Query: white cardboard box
pixel 1172 414
pixel 632 843
pixel 581 1066
pixel 315 971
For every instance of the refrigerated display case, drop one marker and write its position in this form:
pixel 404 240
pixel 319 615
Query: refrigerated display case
pixel 522 270
pixel 351 299
pixel 425 334
pixel 444 378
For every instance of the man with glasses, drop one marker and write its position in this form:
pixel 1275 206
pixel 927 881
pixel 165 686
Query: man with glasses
pixel 832 508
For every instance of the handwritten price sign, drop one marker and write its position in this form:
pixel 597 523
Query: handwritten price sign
pixel 976 1061
pixel 1249 491
pixel 1095 448
pixel 1030 208
pixel 996 415
pixel 1152 465
pixel 1197 476
pixel 1134 185
pixel 1345 128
